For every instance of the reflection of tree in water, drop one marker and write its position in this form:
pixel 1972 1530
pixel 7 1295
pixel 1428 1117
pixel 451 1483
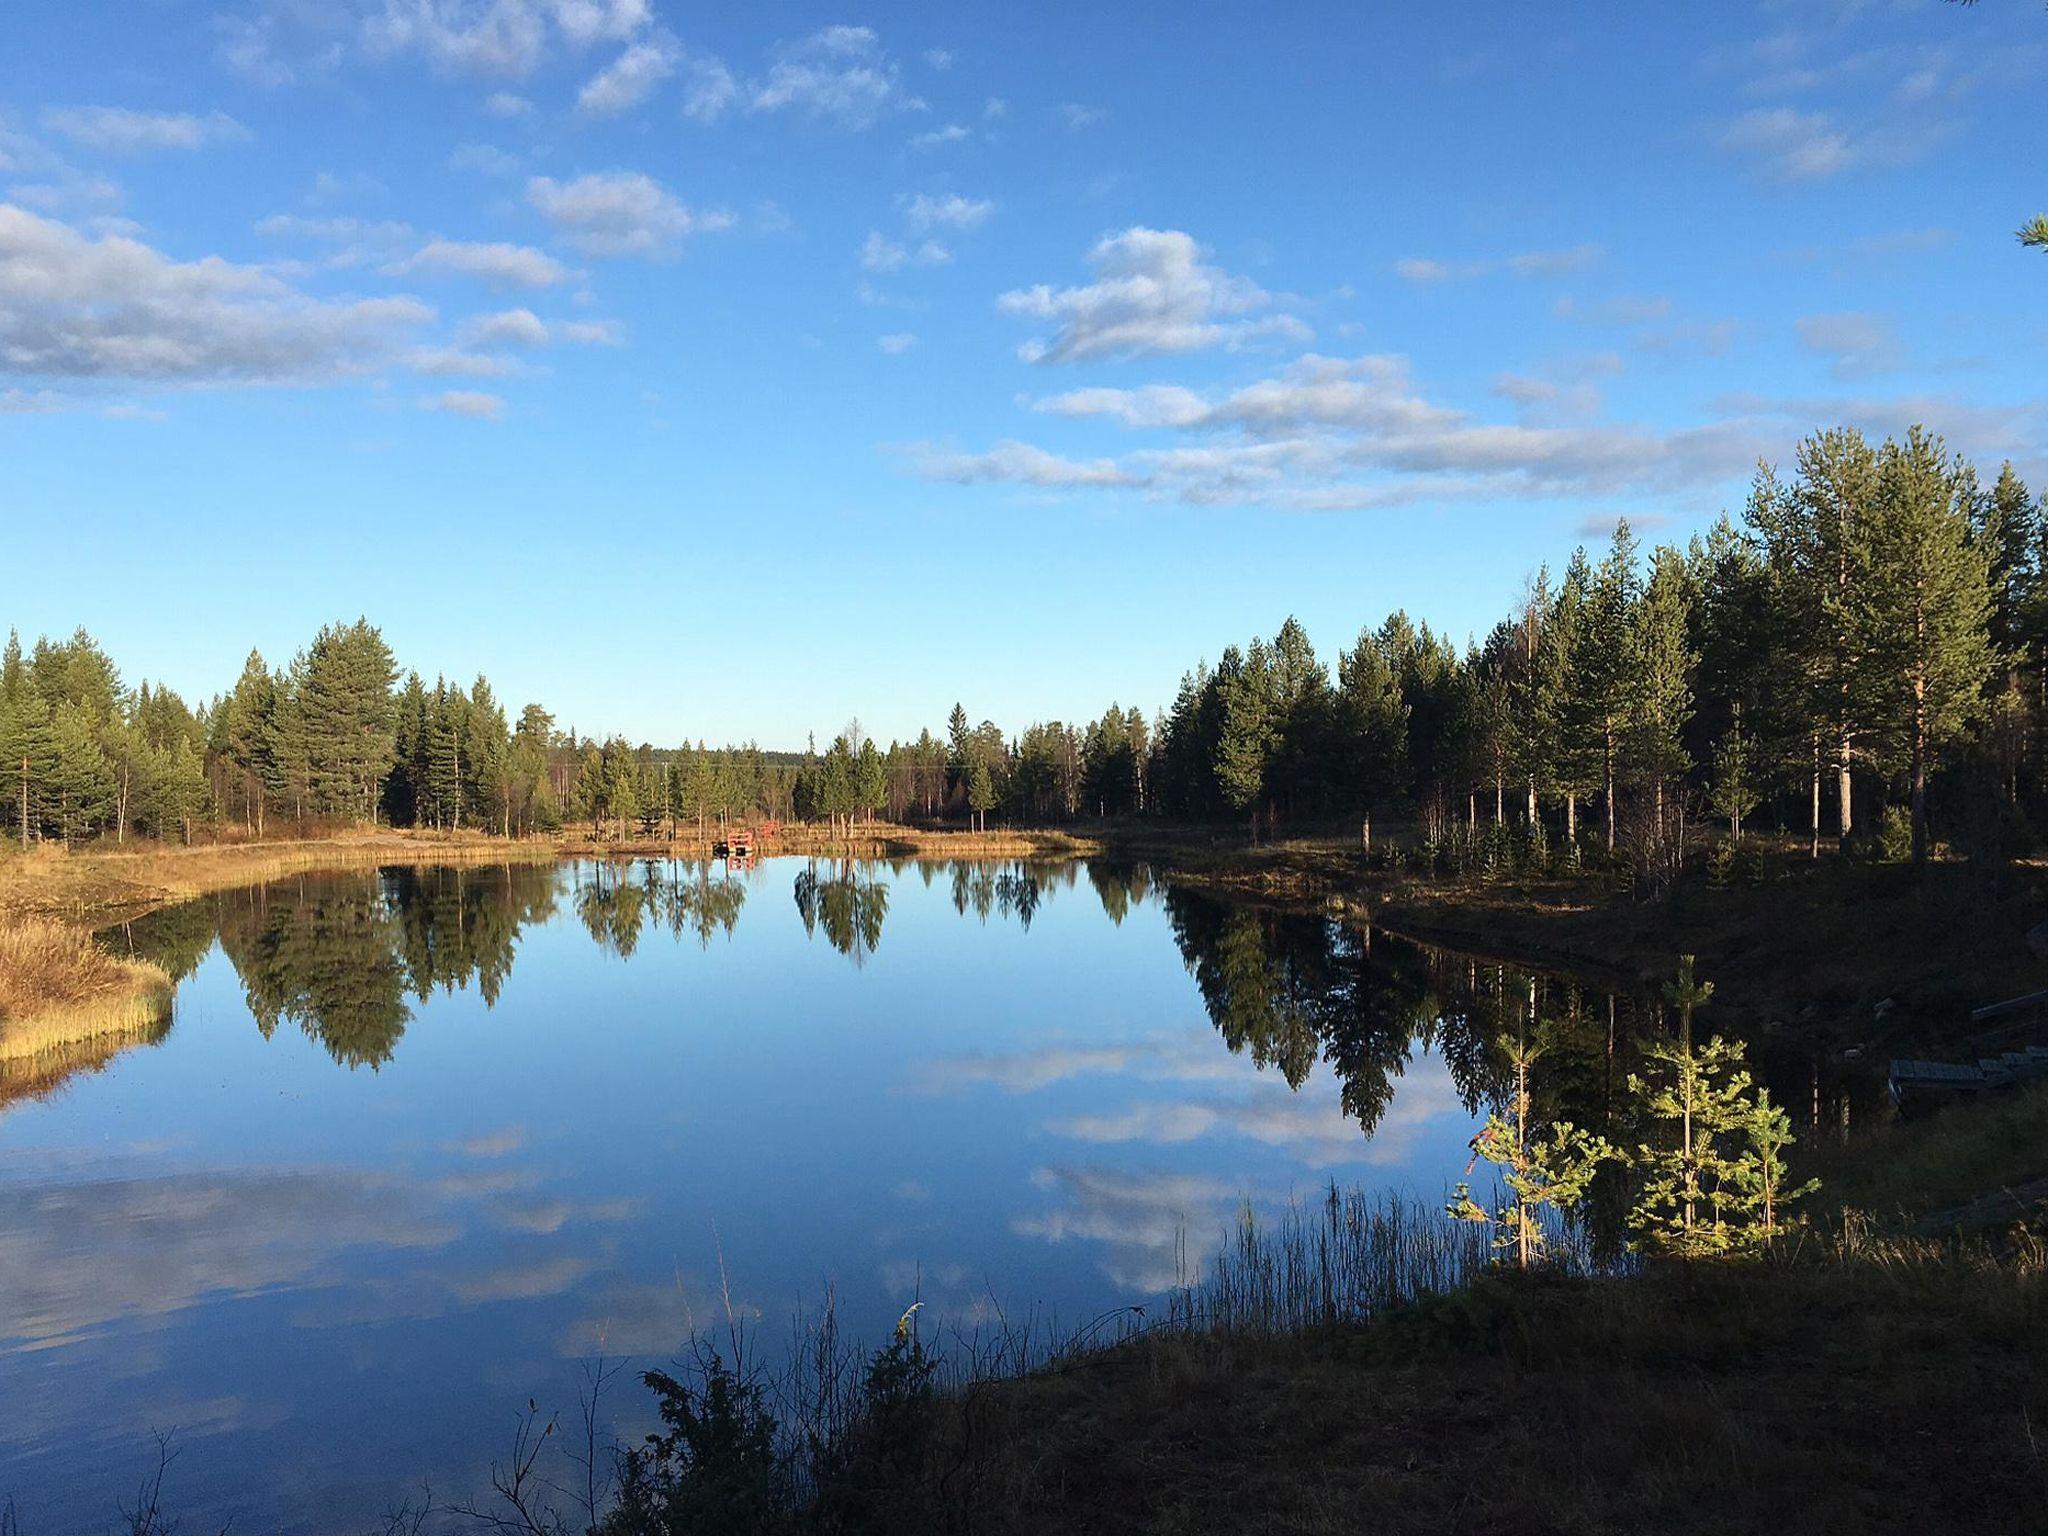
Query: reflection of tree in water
pixel 849 905
pixel 704 906
pixel 1014 889
pixel 1288 989
pixel 176 938
pixel 339 955
pixel 1119 886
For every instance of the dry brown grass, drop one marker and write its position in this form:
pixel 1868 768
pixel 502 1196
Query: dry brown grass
pixel 58 988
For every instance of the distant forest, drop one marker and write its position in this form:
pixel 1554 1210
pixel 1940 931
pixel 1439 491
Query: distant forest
pixel 1863 654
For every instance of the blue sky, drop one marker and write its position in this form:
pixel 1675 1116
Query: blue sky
pixel 731 371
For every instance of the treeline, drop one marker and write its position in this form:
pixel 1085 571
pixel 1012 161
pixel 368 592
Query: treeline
pixel 1877 622
pixel 1872 634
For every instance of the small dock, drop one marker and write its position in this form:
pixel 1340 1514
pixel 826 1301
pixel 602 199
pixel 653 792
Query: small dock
pixel 1917 1081
pixel 738 844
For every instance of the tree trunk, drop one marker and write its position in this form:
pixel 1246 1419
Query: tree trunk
pixel 1842 789
pixel 1920 772
pixel 1571 817
pixel 1815 850
pixel 1607 772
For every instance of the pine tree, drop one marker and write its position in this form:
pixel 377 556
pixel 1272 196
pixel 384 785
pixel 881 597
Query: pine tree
pixel 247 737
pixel 344 692
pixel 1371 727
pixel 28 754
pixel 81 782
pixel 1925 642
pixel 1600 682
pixel 1542 1172
pixel 1249 728
pixel 1658 689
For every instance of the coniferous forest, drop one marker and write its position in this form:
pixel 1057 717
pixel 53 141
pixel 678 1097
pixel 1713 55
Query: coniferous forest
pixel 1861 655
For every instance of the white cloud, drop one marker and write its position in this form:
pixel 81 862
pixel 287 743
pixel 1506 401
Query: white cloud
pixel 949 211
pixel 1856 344
pixel 1020 464
pixel 115 308
pixel 630 78
pixel 507 104
pixel 995 107
pixel 523 328
pixel 509 328
pixel 587 333
pixel 466 402
pixel 1422 269
pixel 1076 116
pixel 511 266
pixel 459 363
pixel 498 37
pixel 485 159
pixel 619 213
pixel 896 343
pixel 1153 293
pixel 1789 145
pixel 878 253
pixel 352 242
pixel 939 58
pixel 1553 263
pixel 840 74
pixel 601 21
pixel 120 130
pixel 952 133
pixel 1350 433
pixel 709 89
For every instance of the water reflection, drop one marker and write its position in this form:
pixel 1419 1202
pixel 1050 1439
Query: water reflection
pixel 847 903
pixel 608 1099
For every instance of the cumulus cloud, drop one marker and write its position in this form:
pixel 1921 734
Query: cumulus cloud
pixel 1153 293
pixel 896 343
pixel 1020 464
pixel 1855 344
pixel 507 104
pixel 1329 434
pixel 840 74
pixel 951 133
pixel 497 37
pixel 486 159
pixel 466 402
pixel 115 308
pixel 630 78
pixel 878 253
pixel 709 88
pixel 510 266
pixel 1076 116
pixel 509 328
pixel 123 131
pixel 349 242
pixel 523 328
pixel 948 211
pixel 619 213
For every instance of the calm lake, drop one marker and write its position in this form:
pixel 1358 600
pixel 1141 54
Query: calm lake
pixel 420 1142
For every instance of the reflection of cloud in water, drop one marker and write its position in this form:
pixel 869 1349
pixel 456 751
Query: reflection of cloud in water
pixel 538 1216
pixel 76 1257
pixel 1161 1058
pixel 1310 1124
pixel 535 1278
pixel 502 1142
pixel 651 1319
pixel 1139 1218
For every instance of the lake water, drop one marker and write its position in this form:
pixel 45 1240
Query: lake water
pixel 419 1143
